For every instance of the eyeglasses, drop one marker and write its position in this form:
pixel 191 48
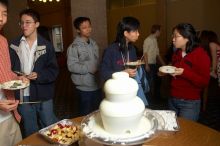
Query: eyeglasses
pixel 27 23
pixel 176 36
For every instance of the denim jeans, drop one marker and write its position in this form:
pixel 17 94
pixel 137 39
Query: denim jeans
pixel 89 101
pixel 36 116
pixel 188 109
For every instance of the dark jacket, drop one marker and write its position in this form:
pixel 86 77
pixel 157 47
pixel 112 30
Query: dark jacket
pixel 45 65
pixel 112 60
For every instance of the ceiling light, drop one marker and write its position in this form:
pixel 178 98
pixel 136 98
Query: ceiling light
pixel 46 0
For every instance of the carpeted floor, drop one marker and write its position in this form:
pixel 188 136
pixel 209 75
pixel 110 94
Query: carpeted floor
pixel 66 102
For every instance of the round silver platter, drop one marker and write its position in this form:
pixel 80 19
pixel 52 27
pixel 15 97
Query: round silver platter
pixel 92 127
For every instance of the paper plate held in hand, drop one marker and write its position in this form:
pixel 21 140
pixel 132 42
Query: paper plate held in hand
pixel 133 64
pixel 14 85
pixel 167 69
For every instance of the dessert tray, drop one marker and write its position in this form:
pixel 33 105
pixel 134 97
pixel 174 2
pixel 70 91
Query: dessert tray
pixel 167 69
pixel 92 127
pixel 14 85
pixel 64 132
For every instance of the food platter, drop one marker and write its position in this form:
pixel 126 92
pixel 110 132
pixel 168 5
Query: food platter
pixel 64 132
pixel 14 85
pixel 167 69
pixel 93 129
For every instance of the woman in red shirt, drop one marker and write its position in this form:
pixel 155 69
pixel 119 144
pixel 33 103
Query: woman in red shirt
pixel 191 75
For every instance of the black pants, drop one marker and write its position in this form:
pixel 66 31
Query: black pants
pixel 154 82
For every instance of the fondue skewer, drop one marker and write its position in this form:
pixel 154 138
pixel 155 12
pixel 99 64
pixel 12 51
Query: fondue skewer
pixel 142 57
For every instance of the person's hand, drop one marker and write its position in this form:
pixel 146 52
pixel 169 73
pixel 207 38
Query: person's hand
pixel 131 72
pixel 178 71
pixel 24 79
pixel 8 105
pixel 213 74
pixel 32 76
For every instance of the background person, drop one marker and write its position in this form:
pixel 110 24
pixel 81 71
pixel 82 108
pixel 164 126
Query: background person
pixel 83 62
pixel 35 57
pixel 192 72
pixel 209 40
pixel 214 46
pixel 122 51
pixel 152 56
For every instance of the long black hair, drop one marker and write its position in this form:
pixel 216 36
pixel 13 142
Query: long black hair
pixel 213 37
pixel 204 40
pixel 188 31
pixel 126 24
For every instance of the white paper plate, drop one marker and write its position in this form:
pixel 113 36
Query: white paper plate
pixel 14 85
pixel 167 69
pixel 135 63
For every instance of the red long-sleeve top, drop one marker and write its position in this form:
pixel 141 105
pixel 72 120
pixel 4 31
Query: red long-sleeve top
pixel 195 76
pixel 5 71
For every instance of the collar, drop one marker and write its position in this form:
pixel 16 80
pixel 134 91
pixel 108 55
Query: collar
pixel 24 39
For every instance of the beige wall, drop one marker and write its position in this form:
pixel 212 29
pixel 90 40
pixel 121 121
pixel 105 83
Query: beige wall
pixel 96 11
pixel 202 14
pixel 12 29
pixel 190 11
pixel 212 15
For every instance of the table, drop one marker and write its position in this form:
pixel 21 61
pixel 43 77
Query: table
pixel 190 134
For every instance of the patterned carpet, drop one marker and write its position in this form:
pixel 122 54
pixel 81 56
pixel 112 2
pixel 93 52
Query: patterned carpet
pixel 66 103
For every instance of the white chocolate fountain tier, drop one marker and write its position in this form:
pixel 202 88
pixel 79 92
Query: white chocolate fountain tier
pixel 121 111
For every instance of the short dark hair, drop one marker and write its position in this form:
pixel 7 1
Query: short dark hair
pixel 154 28
pixel 4 2
pixel 80 20
pixel 30 12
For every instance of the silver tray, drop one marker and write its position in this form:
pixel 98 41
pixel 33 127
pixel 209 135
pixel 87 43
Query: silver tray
pixel 90 123
pixel 63 122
